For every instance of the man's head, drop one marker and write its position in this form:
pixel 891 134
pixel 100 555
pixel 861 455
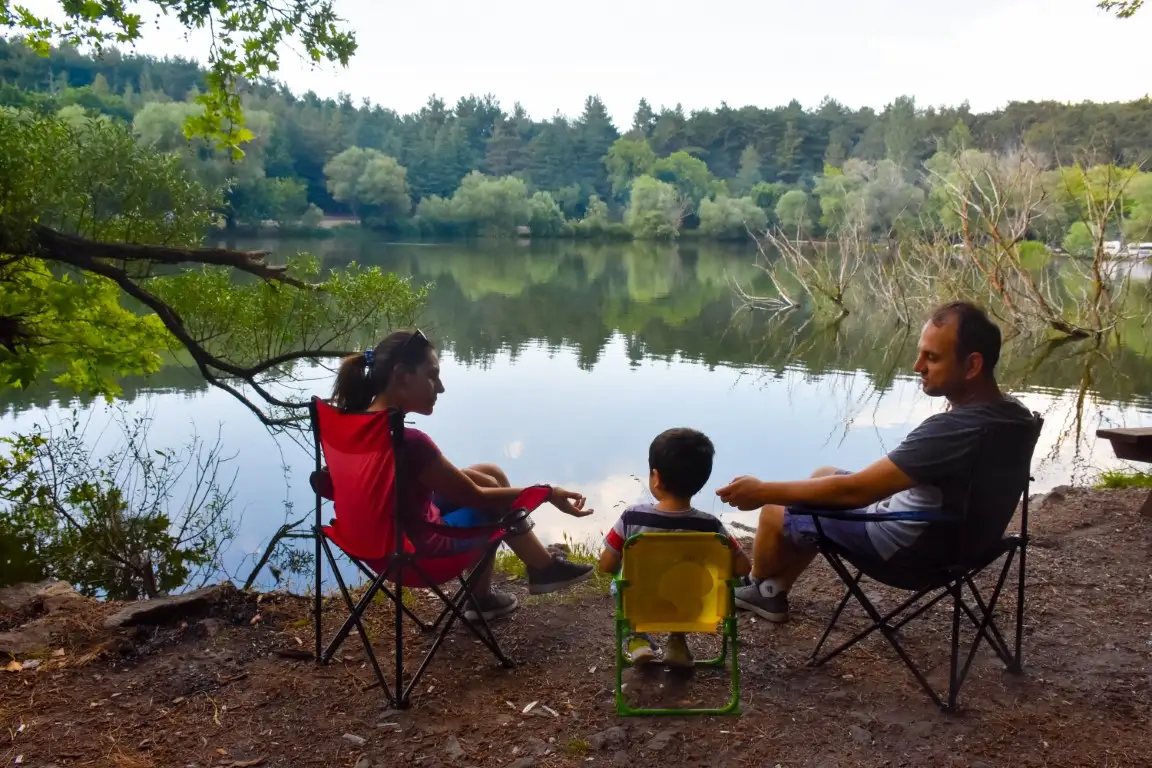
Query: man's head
pixel 959 349
pixel 679 463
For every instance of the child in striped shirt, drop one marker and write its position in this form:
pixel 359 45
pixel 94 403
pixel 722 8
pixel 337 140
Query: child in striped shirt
pixel 679 464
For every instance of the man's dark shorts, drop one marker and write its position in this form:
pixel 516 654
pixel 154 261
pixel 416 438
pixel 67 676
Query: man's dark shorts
pixel 852 535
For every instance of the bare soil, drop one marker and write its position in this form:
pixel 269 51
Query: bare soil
pixel 214 689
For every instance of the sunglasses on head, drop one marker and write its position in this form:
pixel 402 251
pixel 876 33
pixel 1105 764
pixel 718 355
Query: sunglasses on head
pixel 399 352
pixel 417 334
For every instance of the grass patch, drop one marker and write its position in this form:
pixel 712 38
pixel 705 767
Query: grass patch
pixel 1124 479
pixel 578 746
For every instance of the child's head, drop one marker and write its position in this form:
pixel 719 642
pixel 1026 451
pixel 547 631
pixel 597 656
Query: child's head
pixel 679 463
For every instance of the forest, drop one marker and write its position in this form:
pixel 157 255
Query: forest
pixel 474 167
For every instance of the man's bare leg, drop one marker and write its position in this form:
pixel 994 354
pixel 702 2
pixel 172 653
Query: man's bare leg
pixel 773 557
pixel 776 562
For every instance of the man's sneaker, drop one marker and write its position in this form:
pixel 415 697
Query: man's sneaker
pixel 558 575
pixel 677 653
pixel 764 599
pixel 640 651
pixel 493 606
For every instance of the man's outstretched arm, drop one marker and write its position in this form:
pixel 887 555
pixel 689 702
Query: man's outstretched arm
pixel 859 489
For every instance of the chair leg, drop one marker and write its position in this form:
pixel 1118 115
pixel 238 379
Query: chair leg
pixel 355 618
pixel 317 608
pixel 953 683
pixel 455 608
pixel 881 623
pixel 402 693
pixel 986 626
pixel 987 622
pixel 815 655
pixel 372 576
pixel 1017 665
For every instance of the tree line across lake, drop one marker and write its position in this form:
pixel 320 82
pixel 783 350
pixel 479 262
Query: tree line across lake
pixel 477 168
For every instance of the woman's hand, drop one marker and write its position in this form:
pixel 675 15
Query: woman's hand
pixel 743 493
pixel 569 502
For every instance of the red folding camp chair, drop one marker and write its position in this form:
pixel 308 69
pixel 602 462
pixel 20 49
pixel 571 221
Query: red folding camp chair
pixel 363 451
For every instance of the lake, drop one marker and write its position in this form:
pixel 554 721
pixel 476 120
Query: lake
pixel 563 360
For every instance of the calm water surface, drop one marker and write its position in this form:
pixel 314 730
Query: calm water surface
pixel 563 361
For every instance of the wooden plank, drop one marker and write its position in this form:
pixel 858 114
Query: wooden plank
pixel 1132 445
pixel 1137 435
pixel 1129 444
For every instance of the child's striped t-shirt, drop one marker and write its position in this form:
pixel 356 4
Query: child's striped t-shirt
pixel 645 518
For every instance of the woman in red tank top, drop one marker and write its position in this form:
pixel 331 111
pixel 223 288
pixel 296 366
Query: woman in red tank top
pixel 403 372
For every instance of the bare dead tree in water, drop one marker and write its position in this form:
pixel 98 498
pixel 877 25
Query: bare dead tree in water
pixel 995 204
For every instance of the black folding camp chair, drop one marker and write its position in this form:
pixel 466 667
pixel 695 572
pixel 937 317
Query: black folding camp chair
pixel 363 452
pixel 952 579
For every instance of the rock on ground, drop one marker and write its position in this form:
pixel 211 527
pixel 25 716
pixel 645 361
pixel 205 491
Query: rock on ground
pixel 161 609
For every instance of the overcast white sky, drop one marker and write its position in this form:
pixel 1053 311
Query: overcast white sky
pixel 550 56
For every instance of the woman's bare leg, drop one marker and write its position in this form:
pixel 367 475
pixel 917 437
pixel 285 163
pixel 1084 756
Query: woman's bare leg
pixel 526 545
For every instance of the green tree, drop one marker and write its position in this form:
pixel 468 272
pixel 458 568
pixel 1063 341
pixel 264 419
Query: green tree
pixel 374 185
pixel 545 219
pixel 688 175
pixel 749 175
pixel 792 212
pixel 111 524
pixel 1080 240
pixel 655 210
pixel 1122 8
pixel 731 218
pixel 90 216
pixel 625 160
pixel 493 206
pixel 246 40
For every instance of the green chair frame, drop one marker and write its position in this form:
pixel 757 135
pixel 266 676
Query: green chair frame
pixel 727 628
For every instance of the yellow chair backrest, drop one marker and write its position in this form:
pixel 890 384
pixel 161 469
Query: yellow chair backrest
pixel 676 582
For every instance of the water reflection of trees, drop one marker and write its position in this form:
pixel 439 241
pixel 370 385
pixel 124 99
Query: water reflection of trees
pixel 672 301
pixel 676 301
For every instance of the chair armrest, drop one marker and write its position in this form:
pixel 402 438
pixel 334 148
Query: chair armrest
pixel 872 517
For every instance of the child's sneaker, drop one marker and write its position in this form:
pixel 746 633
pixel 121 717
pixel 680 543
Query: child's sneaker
pixel 640 651
pixel 677 653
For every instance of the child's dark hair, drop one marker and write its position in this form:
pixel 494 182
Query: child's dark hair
pixel 361 377
pixel 683 457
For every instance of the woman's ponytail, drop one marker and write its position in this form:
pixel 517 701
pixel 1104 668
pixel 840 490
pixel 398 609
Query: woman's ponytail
pixel 353 390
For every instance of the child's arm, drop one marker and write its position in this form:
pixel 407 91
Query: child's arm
pixel 741 565
pixel 613 546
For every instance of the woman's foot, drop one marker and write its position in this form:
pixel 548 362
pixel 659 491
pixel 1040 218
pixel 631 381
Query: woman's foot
pixel 493 605
pixel 558 575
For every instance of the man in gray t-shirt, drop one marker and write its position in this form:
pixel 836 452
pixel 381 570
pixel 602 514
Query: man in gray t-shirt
pixel 973 457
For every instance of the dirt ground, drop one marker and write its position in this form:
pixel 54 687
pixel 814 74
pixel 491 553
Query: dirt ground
pixel 212 690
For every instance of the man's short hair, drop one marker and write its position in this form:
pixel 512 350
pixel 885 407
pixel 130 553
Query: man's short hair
pixel 683 457
pixel 975 332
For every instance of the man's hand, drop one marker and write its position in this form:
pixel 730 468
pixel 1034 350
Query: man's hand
pixel 744 493
pixel 569 502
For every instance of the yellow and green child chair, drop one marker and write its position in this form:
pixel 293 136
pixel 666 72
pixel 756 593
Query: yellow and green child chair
pixel 678 582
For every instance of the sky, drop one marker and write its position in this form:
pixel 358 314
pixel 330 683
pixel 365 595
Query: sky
pixel 550 57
